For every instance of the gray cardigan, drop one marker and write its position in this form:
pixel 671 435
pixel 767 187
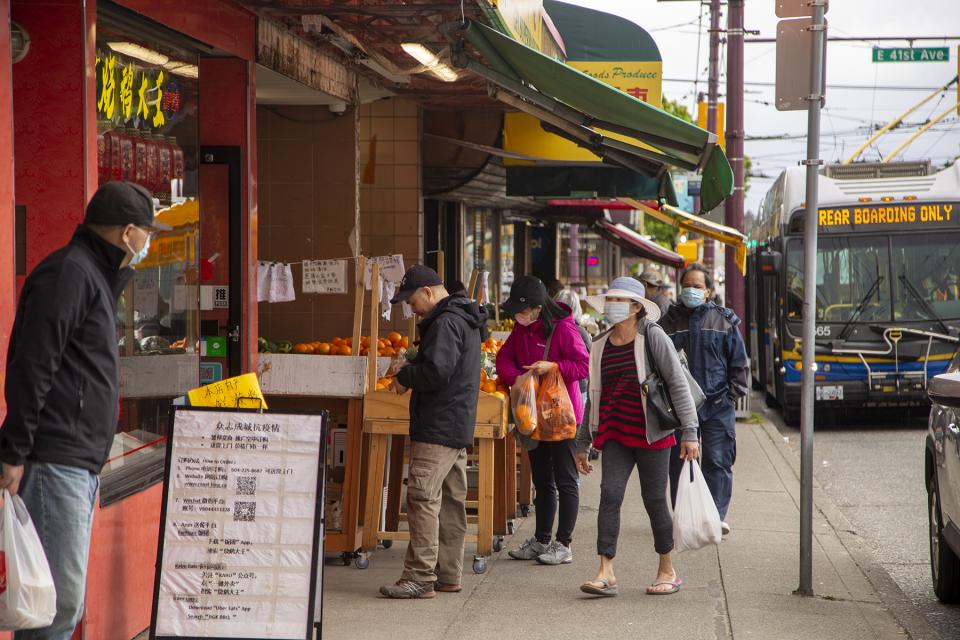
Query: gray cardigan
pixel 668 364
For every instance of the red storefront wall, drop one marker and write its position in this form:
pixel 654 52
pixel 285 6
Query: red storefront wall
pixel 54 158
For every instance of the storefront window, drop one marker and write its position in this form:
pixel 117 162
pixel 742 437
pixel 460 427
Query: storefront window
pixel 506 260
pixel 147 133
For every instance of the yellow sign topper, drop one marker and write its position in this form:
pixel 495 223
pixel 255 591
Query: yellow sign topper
pixel 857 217
pixel 242 392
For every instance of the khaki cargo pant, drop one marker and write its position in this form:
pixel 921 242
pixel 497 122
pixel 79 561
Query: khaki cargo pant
pixel 436 513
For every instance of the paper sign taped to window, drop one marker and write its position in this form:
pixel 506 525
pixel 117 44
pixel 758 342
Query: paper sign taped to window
pixel 241 392
pixel 324 276
pixel 391 269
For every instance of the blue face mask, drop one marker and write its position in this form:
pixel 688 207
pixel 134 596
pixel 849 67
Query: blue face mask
pixel 691 297
pixel 139 256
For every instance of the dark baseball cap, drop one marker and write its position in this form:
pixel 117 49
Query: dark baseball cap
pixel 416 277
pixel 120 203
pixel 527 292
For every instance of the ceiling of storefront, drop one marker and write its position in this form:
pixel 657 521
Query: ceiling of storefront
pixel 371 32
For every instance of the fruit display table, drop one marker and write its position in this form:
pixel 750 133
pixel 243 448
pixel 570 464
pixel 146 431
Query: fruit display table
pixel 386 414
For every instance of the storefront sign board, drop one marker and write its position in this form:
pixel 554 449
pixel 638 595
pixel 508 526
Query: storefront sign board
pixel 240 537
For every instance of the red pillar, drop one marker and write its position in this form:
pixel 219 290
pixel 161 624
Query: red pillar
pixel 228 118
pixel 55 128
pixel 8 292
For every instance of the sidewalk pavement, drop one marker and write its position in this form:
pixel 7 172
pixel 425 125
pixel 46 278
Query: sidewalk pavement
pixel 740 589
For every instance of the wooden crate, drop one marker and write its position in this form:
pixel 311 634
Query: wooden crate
pixel 380 406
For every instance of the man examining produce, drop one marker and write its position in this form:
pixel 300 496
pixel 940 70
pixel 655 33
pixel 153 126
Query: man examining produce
pixel 445 379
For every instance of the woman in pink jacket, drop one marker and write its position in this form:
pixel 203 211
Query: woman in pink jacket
pixel 552 464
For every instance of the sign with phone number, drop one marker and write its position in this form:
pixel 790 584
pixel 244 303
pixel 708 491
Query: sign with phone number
pixel 889 216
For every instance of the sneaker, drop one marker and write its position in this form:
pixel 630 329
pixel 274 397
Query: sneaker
pixel 408 590
pixel 556 553
pixel 529 550
pixel 724 528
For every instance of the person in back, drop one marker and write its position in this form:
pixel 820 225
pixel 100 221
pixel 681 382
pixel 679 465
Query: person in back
pixel 545 338
pixel 710 337
pixel 656 289
pixel 445 379
pixel 63 385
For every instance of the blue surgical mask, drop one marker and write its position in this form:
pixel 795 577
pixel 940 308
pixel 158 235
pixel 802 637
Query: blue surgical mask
pixel 138 256
pixel 616 312
pixel 691 297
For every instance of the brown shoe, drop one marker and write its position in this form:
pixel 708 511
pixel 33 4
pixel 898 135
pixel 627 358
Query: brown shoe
pixel 444 587
pixel 408 590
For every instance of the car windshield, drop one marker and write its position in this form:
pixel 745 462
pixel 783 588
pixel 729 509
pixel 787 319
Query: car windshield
pixel 852 279
pixel 926 270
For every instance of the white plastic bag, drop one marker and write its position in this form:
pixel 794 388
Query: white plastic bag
pixel 696 521
pixel 28 599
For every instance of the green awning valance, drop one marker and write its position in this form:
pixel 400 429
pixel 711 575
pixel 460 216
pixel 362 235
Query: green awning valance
pixel 587 110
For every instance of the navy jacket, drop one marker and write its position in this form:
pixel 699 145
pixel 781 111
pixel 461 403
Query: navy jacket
pixel 716 354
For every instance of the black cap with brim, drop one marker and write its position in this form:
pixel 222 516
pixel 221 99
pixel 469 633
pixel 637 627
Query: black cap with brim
pixel 525 293
pixel 416 277
pixel 121 203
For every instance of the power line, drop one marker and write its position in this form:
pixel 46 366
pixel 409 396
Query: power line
pixel 831 86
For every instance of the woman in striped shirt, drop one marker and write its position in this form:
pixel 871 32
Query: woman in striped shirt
pixel 630 436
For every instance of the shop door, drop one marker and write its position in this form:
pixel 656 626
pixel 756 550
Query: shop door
pixel 221 299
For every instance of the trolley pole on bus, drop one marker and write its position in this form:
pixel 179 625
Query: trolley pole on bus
pixel 812 163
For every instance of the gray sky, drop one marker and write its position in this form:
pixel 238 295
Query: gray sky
pixel 849 111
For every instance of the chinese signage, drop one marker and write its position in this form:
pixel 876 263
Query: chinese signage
pixel 128 93
pixel 324 276
pixel 900 215
pixel 241 540
pixel 909 54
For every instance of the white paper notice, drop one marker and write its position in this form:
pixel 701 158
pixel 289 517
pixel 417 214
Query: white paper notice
pixel 146 295
pixel 281 283
pixel 387 289
pixel 263 281
pixel 239 538
pixel 324 276
pixel 391 269
pixel 407 310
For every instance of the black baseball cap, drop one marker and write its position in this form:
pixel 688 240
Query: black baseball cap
pixel 527 292
pixel 119 203
pixel 416 277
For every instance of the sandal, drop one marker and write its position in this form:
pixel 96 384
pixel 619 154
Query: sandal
pixel 606 590
pixel 674 584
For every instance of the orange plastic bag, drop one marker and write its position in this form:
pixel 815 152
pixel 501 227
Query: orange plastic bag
pixel 523 402
pixel 555 419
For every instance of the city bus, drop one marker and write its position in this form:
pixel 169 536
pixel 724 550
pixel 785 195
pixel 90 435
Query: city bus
pixel 887 289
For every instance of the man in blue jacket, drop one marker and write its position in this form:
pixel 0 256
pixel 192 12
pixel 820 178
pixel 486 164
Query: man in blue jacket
pixel 710 337
pixel 63 385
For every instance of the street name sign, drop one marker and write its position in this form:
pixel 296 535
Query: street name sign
pixel 910 54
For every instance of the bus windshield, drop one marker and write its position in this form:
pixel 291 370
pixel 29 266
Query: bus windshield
pixel 855 279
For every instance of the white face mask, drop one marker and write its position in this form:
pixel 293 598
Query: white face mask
pixel 616 312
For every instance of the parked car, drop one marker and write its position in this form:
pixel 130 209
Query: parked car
pixel 943 482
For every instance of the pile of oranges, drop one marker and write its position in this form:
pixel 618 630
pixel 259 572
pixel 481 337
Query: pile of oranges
pixel 392 345
pixel 491 346
pixel 493 384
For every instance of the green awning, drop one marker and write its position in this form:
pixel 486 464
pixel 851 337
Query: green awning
pixel 584 109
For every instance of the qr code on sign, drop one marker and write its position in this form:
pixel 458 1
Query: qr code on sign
pixel 246 485
pixel 244 511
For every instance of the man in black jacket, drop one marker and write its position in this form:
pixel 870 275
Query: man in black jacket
pixel 62 385
pixel 445 379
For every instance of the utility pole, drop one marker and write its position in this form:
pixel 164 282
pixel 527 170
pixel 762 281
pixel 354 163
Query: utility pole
pixel 810 297
pixel 713 82
pixel 733 208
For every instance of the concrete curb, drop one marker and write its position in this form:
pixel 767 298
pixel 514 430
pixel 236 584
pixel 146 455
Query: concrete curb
pixel 912 621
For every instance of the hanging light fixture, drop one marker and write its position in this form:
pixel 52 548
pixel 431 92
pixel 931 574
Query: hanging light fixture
pixel 139 52
pixel 184 69
pixel 429 59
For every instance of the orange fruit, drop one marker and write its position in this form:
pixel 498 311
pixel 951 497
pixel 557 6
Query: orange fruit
pixel 338 342
pixel 301 347
pixel 405 342
pixel 322 348
pixel 389 352
pixel 394 338
pixel 489 386
pixel 346 351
